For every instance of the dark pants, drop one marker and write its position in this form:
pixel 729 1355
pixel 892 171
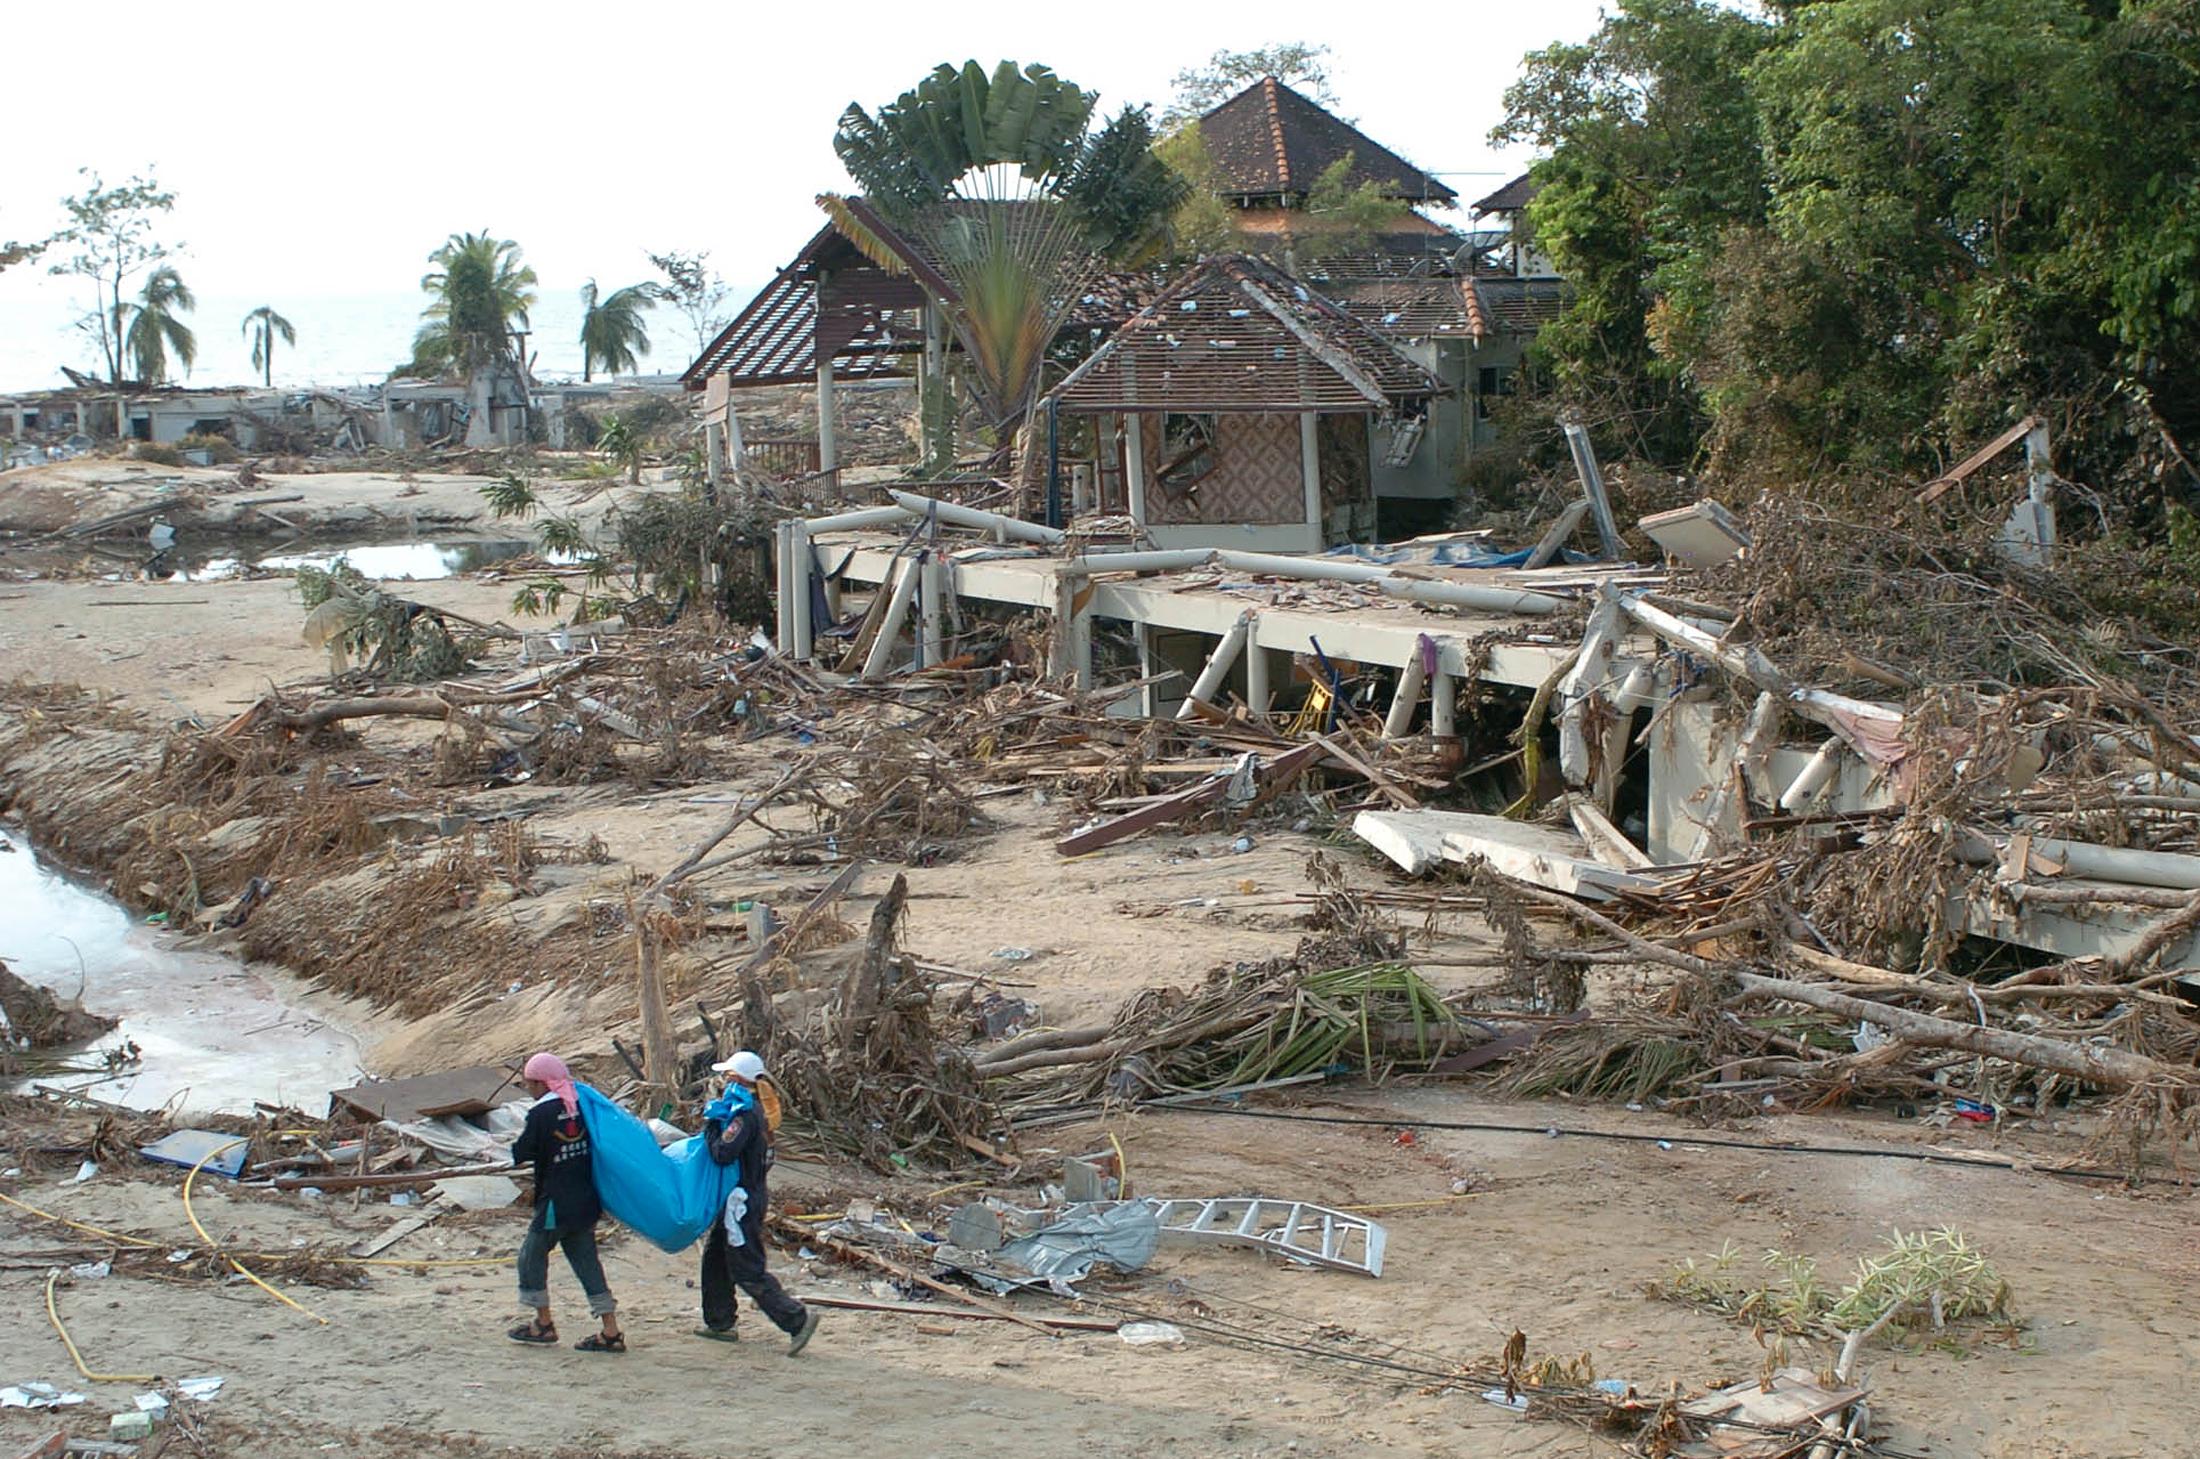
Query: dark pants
pixel 726 1266
pixel 580 1254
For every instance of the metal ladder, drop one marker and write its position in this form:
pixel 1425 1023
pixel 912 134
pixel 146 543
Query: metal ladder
pixel 1295 1230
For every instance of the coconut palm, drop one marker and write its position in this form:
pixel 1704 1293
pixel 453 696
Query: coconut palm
pixel 149 326
pixel 1001 178
pixel 261 326
pixel 612 332
pixel 477 292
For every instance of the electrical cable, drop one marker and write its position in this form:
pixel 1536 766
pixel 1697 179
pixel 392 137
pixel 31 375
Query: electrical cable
pixel 1928 1157
pixel 216 1246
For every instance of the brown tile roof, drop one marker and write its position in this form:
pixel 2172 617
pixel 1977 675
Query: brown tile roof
pixel 1510 198
pixel 1269 141
pixel 1405 309
pixel 1503 304
pixel 1237 334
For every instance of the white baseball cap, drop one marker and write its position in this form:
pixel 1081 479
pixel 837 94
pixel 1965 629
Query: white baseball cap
pixel 743 1065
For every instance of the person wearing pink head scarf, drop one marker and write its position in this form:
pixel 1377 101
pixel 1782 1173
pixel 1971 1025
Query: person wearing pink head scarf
pixel 555 1142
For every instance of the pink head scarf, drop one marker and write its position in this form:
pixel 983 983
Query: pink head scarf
pixel 550 1069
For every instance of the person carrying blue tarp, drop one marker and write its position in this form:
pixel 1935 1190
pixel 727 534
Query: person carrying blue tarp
pixel 737 1134
pixel 555 1142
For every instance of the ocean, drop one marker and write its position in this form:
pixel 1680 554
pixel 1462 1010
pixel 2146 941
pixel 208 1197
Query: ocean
pixel 343 339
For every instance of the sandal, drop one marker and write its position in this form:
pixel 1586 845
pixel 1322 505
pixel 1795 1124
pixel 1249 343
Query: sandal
pixel 534 1334
pixel 596 1342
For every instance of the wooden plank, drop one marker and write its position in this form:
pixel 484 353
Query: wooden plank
pixel 1181 804
pixel 895 1268
pixel 933 1309
pixel 1554 538
pixel 466 1091
pixel 375 1246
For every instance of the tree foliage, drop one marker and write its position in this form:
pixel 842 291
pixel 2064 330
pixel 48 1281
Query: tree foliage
pixel 111 233
pixel 151 326
pixel 1200 89
pixel 1344 216
pixel 1859 234
pixel 694 290
pixel 263 326
pixel 479 291
pixel 614 336
pixel 1002 178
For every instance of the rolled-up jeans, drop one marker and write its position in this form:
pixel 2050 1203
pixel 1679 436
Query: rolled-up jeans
pixel 580 1254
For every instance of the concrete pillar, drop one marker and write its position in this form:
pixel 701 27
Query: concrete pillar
pixel 1310 469
pixel 1134 464
pixel 1149 695
pixel 828 450
pixel 881 657
pixel 1259 693
pixel 1412 679
pixel 932 589
pixel 801 562
pixel 714 450
pixel 1208 687
pixel 1443 706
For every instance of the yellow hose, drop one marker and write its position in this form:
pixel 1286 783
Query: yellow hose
pixel 215 1246
pixel 53 1315
pixel 138 1241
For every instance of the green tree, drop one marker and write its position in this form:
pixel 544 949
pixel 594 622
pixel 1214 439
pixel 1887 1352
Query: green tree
pixel 479 291
pixel 621 443
pixel 694 290
pixel 1202 223
pixel 150 327
pixel 613 332
pixel 1347 216
pixel 262 326
pixel 1650 136
pixel 1200 89
pixel 111 232
pixel 1002 177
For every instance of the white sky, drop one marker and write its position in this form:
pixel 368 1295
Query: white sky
pixel 322 150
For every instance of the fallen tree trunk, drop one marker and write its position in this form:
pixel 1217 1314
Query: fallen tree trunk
pixel 2117 1068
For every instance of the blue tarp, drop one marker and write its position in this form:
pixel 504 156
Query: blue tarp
pixel 669 1196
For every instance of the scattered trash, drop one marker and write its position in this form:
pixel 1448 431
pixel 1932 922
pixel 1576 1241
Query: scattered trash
pixel 85 1172
pixel 221 1154
pixel 1014 954
pixel 1151 1334
pixel 129 1426
pixel 1241 845
pixel 479 1192
pixel 91 1271
pixel 38 1395
pixel 1517 1402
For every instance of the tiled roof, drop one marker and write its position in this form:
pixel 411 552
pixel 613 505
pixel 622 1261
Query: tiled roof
pixel 1503 304
pixel 1269 141
pixel 1237 334
pixel 1405 309
pixel 1510 198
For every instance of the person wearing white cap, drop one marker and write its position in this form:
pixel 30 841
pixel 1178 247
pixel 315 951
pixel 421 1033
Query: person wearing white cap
pixel 737 1132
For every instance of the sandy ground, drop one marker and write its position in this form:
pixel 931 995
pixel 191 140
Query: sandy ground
pixel 1560 1236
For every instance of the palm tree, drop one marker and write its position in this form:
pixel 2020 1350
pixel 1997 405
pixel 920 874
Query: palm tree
pixel 261 326
pixel 612 332
pixel 478 291
pixel 1002 180
pixel 149 327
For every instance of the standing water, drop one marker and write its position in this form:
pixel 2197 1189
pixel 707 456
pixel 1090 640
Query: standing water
pixel 213 1033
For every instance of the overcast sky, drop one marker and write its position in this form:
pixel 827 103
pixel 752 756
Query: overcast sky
pixel 320 152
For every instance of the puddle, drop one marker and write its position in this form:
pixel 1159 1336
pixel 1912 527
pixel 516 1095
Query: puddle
pixel 214 1033
pixel 388 561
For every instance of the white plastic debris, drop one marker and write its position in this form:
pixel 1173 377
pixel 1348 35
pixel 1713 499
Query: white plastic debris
pixel 90 1271
pixel 1151 1334
pixel 38 1395
pixel 86 1171
pixel 1518 1403
pixel 200 1390
pixel 1013 954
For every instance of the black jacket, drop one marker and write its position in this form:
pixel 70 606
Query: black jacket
pixel 743 1141
pixel 565 1170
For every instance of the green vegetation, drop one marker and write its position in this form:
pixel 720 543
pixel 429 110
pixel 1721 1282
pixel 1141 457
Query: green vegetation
pixel 622 444
pixel 111 232
pixel 1854 237
pixel 1200 89
pixel 479 291
pixel 1922 1281
pixel 613 333
pixel 1002 178
pixel 152 326
pixel 262 326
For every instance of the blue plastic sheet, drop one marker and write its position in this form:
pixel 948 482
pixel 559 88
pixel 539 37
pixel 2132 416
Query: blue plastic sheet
pixel 669 1196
